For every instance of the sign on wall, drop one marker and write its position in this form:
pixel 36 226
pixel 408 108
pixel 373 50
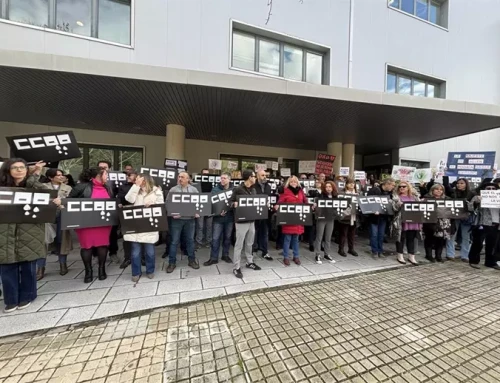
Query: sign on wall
pixel 324 164
pixel 419 212
pixel 48 147
pixel 490 199
pixel 21 205
pixel 451 208
pixel 80 213
pixel 375 204
pixel 294 214
pixel 141 219
pixel 470 164
pixel 331 208
pixel 221 202
pixel 189 204
pixel 166 178
pixel 251 208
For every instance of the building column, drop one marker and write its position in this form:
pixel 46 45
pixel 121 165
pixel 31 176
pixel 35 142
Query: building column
pixel 348 157
pixel 335 149
pixel 175 141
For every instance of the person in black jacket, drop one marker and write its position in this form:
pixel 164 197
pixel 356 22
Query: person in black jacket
pixel 378 223
pixel 261 239
pixel 122 192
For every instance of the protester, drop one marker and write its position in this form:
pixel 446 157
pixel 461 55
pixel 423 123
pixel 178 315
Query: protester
pixel 122 201
pixel 310 231
pixel 378 222
pixel 324 227
pixel 484 230
pixel 63 243
pixel 292 194
pixel 347 225
pixel 204 224
pixel 262 225
pixel 222 228
pixel 20 244
pixel 245 231
pixel 143 193
pixel 405 233
pixel 93 184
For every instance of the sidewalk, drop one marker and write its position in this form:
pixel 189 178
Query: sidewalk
pixel 66 300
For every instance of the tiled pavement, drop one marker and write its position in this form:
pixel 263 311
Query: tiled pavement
pixel 67 300
pixel 432 323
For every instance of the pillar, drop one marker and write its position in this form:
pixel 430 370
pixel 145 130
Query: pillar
pixel 175 141
pixel 348 157
pixel 335 148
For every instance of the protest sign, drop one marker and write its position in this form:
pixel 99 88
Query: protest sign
pixel 419 212
pixel 359 175
pixel 294 214
pixel 344 172
pixel 490 199
pixel 232 165
pixel 214 164
pixel 403 173
pixel 141 219
pixel 285 172
pixel 451 208
pixel 422 175
pixel 470 164
pixel 176 164
pixel 21 205
pixel 79 213
pixel 189 204
pixel 251 208
pixel 324 164
pixel 307 166
pixel 260 167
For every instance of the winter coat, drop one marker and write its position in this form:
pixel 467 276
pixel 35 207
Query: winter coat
pixel 84 190
pixel 122 192
pixel 444 228
pixel 289 197
pixel 482 216
pixel 138 197
pixel 258 188
pixel 66 240
pixel 229 216
pixel 23 242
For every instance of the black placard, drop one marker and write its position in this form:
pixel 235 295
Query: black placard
pixel 80 213
pixel 22 205
pixel 451 208
pixel 166 178
pixel 307 184
pixel 141 219
pixel 236 182
pixel 353 200
pixel 374 204
pixel 221 202
pixel 48 147
pixel 331 208
pixel 251 208
pixel 294 214
pixel 419 212
pixel 274 183
pixel 272 200
pixel 207 181
pixel 117 179
pixel 189 204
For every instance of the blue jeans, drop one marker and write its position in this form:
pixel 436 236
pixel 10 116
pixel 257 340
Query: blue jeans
pixel 466 242
pixel 19 282
pixel 149 252
pixel 184 227
pixel 292 239
pixel 224 231
pixel 377 233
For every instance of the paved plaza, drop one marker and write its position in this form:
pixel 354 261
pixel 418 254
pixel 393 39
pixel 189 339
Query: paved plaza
pixel 66 300
pixel 432 323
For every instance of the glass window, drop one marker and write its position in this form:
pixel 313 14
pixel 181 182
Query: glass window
pixel 100 154
pixel 418 88
pixel 391 83
pixel 243 51
pixel 435 13
pixel 404 85
pixel 422 9
pixel 407 6
pixel 73 166
pixel 431 90
pixel 114 21
pixel 269 57
pixel 394 3
pixel 74 16
pixel 130 157
pixel 292 63
pixel 31 12
pixel 314 68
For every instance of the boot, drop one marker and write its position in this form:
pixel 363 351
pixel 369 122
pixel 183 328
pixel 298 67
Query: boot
pixel 89 277
pixel 87 263
pixel 102 266
pixel 40 273
pixel 63 268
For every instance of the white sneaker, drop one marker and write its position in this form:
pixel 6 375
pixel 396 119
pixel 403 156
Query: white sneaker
pixel 317 258
pixel 328 258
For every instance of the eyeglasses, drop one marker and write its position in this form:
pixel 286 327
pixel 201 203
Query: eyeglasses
pixel 402 186
pixel 253 176
pixel 18 168
pixel 490 188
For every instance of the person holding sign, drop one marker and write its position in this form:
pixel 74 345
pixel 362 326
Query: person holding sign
pixel 347 225
pixel 20 244
pixel 406 232
pixel 143 193
pixel 93 184
pixel 484 229
pixel 324 227
pixel 292 194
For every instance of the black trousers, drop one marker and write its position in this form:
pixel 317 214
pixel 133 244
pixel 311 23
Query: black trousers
pixel 113 240
pixel 488 235
pixel 408 238
pixel 431 242
pixel 346 233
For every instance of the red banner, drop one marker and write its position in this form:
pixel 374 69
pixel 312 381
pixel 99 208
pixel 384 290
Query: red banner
pixel 324 164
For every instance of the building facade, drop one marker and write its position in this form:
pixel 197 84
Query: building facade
pixel 413 48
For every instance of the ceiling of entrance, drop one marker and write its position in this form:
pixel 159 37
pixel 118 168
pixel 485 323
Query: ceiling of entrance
pixel 221 114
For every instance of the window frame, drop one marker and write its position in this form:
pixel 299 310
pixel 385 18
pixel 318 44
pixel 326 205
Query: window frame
pixel 4 13
pixel 427 80
pixel 440 3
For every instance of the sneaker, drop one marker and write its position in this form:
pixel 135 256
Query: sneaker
pixel 329 259
pixel 10 308
pixel 226 258
pixel 317 259
pixel 341 253
pixel 210 262
pixel 150 276
pixel 374 255
pixel 353 253
pixel 267 257
pixel 297 261
pixel 136 278
pixel 253 266
pixel 237 273
pixel 23 305
pixel 125 264
pixel 170 268
pixel 439 259
pixel 114 258
pixel 286 262
pixel 194 264
pixel 380 255
pixel 474 265
pixel 464 260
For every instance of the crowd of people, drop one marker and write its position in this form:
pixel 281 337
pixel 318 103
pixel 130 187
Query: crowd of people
pixel 24 247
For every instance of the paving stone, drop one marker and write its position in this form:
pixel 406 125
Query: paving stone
pixel 76 299
pixel 259 276
pixel 62 286
pixel 78 314
pixel 152 302
pixel 201 294
pixel 283 282
pixel 138 290
pixel 214 281
pixel 28 322
pixel 108 309
pixel 245 287
pixel 179 286
pixel 292 271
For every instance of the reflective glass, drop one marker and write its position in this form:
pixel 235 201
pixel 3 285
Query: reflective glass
pixel 31 12
pixel 431 90
pixel 74 16
pixel 418 88
pixel 269 57
pixel 314 68
pixel 404 85
pixel 243 51
pixel 391 83
pixel 293 63
pixel 114 21
pixel 435 13
pixel 422 9
pixel 408 6
pixel 394 3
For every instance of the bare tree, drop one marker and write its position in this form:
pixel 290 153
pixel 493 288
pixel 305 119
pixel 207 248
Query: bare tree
pixel 270 9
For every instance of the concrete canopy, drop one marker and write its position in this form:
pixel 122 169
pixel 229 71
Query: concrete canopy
pixel 132 98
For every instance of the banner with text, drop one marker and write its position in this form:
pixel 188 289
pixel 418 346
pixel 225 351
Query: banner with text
pixel 307 166
pixel 165 178
pixel 490 199
pixel 221 202
pixel 141 219
pixel 419 212
pixel 80 213
pixel 20 205
pixel 451 208
pixel 470 164
pixel 375 204
pixel 294 214
pixel 251 208
pixel 324 164
pixel 189 204
pixel 331 208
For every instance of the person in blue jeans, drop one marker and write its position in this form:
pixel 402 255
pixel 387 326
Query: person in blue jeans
pixel 378 222
pixel 222 224
pixel 182 226
pixel 143 193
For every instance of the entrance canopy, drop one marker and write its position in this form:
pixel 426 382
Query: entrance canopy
pixel 131 98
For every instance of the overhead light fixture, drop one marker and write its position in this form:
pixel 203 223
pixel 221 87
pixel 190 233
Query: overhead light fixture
pixel 79 23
